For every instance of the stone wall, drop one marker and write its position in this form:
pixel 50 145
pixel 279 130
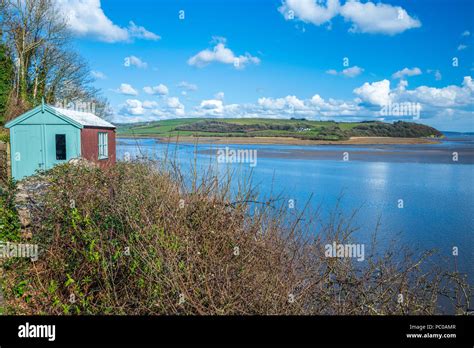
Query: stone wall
pixel 27 199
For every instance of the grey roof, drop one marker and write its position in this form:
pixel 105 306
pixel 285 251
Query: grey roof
pixel 84 118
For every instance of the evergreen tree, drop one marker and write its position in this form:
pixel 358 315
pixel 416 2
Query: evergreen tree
pixel 6 79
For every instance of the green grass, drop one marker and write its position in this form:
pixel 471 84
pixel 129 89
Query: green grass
pixel 167 128
pixel 242 127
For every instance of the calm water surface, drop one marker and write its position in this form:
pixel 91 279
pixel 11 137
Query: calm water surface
pixel 437 192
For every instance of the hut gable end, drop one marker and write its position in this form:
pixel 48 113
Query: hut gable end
pixel 43 115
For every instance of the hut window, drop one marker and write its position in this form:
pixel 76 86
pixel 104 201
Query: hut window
pixel 60 147
pixel 103 145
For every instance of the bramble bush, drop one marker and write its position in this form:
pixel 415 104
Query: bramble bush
pixel 139 238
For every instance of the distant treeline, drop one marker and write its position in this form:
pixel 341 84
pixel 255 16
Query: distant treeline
pixel 397 129
pixel 226 127
pixel 312 130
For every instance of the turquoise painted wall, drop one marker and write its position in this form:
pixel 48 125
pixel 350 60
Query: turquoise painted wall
pixel 33 143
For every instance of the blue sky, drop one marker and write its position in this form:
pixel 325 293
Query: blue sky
pixel 332 59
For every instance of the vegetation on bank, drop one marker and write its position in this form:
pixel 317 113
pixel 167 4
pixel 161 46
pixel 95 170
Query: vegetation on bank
pixel 297 128
pixel 143 238
pixel 6 78
pixel 4 170
pixel 9 220
pixel 4 135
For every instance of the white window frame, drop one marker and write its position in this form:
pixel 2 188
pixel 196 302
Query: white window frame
pixel 103 145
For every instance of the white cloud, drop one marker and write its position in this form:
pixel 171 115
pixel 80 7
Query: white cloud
pixel 438 105
pixel 173 102
pixel 219 95
pixel 317 100
pixel 378 18
pixel 365 17
pixel 270 103
pixel 292 106
pixel 148 110
pixel 140 32
pixel 217 108
pixel 175 106
pixel 187 86
pixel 309 11
pixel 468 83
pixel 462 47
pixel 132 107
pixel 376 93
pixel 212 105
pixel 289 102
pixel 406 72
pixel 221 54
pixel 352 71
pixel 134 61
pixel 332 107
pixel 348 72
pixel 86 18
pixel 148 104
pixel 466 33
pixel 402 85
pixel 98 75
pixel 446 97
pixel 331 72
pixel 370 98
pixel 161 89
pixel 126 89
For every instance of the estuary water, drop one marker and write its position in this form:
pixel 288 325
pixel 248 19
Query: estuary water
pixel 422 195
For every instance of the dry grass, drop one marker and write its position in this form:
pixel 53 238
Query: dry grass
pixel 137 239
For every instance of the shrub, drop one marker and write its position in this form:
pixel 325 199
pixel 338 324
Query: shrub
pixel 4 179
pixel 9 221
pixel 4 135
pixel 141 238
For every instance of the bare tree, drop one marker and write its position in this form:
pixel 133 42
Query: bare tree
pixel 45 65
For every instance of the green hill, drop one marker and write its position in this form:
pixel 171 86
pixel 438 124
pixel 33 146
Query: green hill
pixel 258 127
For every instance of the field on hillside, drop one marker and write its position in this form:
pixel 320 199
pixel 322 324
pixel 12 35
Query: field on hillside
pixel 257 127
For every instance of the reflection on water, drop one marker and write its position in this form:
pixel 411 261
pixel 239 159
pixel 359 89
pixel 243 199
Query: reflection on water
pixel 437 194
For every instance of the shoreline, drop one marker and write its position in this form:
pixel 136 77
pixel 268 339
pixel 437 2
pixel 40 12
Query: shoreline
pixel 287 140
